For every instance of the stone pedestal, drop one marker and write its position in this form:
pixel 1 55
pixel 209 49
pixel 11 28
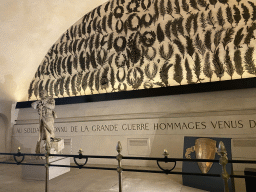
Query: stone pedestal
pixel 57 146
pixel 38 172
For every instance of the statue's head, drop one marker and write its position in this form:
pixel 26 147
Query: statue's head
pixel 43 94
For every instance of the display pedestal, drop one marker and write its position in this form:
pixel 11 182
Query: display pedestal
pixel 38 172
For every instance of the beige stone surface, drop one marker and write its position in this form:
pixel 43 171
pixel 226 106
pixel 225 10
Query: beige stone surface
pixel 88 180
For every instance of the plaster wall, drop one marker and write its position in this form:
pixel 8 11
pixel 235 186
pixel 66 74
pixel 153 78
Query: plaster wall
pixel 211 107
pixel 28 30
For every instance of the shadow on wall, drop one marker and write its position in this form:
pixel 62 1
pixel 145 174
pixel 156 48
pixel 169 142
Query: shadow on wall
pixel 8 89
pixel 3 130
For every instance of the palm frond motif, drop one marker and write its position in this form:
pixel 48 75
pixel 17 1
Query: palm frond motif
pixel 190 47
pixel 249 61
pixel 91 81
pixel 169 9
pixel 107 6
pixel 238 63
pixel 238 38
pixel 79 81
pixel 210 19
pixel 112 79
pixel 228 37
pixel 67 86
pixel 31 89
pixel 220 18
pixel 180 46
pixel 156 15
pixel 188 23
pixel 217 38
pixel 197 68
pixel 229 66
pixel 180 26
pixel 195 23
pixel 57 87
pixel 246 14
pixel 36 88
pixel 97 80
pixel 189 75
pixel 174 28
pixel 38 73
pixel 40 86
pixel 64 65
pixel 193 4
pixel 178 72
pixel 164 72
pixel 82 61
pixel 199 45
pixel 85 81
pixel 47 85
pixel 73 85
pixel 97 41
pixel 162 8
pixel 250 34
pixel 203 21
pixel 177 7
pixel 207 66
pixel 208 40
pixel 104 81
pixel 237 15
pixel 218 65
pixel 160 33
pixel 51 91
pixel 75 62
pixel 69 65
pixel 168 29
pixel 254 10
pixel 58 67
pixel 229 15
pixel 185 6
pixel 62 83
pixel 75 45
pixel 104 23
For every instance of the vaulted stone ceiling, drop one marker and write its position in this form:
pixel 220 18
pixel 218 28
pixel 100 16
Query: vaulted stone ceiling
pixel 28 30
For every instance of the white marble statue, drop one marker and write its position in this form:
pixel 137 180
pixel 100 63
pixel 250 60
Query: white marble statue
pixel 45 108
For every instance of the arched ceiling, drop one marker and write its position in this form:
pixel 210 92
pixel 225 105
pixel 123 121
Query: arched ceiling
pixel 202 40
pixel 125 45
pixel 28 30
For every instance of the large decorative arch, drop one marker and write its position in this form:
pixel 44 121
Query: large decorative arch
pixel 127 45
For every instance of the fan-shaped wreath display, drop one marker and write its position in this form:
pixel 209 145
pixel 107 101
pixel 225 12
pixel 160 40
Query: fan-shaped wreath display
pixel 127 45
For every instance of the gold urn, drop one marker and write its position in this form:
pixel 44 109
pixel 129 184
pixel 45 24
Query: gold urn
pixel 204 148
